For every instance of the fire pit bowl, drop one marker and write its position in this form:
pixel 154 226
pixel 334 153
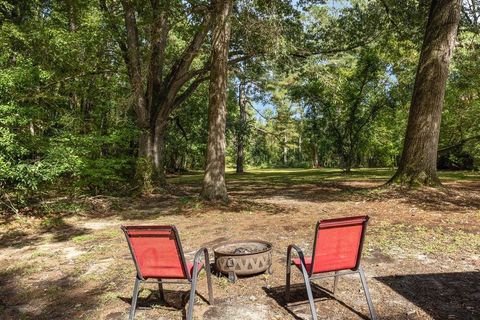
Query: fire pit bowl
pixel 244 257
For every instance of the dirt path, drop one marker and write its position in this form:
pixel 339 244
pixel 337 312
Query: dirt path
pixel 422 253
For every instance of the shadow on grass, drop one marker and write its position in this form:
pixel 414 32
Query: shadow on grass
pixel 63 232
pixel 291 176
pixel 299 301
pixel 451 198
pixel 173 300
pixel 62 298
pixel 441 295
pixel 260 190
pixel 328 185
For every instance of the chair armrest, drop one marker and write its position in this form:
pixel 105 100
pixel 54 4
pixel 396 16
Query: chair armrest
pixel 299 253
pixel 197 258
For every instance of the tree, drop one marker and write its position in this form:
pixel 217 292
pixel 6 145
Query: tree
pixel 158 85
pixel 62 120
pixel 214 187
pixel 342 101
pixel 418 164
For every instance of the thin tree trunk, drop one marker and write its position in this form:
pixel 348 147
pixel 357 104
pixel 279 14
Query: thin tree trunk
pixel 300 157
pixel 285 150
pixel 418 165
pixel 347 162
pixel 72 15
pixel 241 132
pixel 315 156
pixel 214 187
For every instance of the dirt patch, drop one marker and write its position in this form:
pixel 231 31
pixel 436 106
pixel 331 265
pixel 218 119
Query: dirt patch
pixel 237 308
pixel 420 256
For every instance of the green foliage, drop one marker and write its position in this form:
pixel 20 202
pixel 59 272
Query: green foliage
pixel 334 81
pixel 187 135
pixel 52 222
pixel 343 100
pixel 460 125
pixel 62 115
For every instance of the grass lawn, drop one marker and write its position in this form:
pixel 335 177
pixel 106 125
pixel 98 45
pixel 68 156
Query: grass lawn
pixel 421 256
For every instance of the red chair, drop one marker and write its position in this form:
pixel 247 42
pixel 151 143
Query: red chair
pixel 337 246
pixel 158 254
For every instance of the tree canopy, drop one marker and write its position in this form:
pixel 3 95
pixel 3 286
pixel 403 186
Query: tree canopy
pixel 106 97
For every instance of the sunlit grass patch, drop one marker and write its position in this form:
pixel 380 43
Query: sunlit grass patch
pixel 110 234
pixel 23 268
pixel 83 238
pixel 109 296
pixel 436 240
pixel 301 175
pixel 42 254
pixel 52 222
pixel 63 206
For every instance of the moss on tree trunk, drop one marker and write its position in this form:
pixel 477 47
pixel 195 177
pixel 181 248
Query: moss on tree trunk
pixel 214 187
pixel 418 164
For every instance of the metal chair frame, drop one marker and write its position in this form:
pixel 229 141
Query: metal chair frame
pixel 310 276
pixel 188 279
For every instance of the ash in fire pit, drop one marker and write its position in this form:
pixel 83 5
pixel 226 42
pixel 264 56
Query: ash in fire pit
pixel 241 251
pixel 245 257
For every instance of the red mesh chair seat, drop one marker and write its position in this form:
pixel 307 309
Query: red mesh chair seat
pixel 338 244
pixel 308 263
pixel 168 273
pixel 157 252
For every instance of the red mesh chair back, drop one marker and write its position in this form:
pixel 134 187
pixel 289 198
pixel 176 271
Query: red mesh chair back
pixel 338 244
pixel 157 252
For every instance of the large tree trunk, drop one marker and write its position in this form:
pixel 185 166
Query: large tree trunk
pixel 347 163
pixel 150 167
pixel 144 166
pixel 242 101
pixel 159 150
pixel 214 187
pixel 418 165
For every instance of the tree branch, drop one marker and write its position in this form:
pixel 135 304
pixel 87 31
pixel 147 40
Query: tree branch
pixel 177 77
pixel 116 35
pixel 135 64
pixel 158 35
pixel 257 111
pixel 458 144
pixel 179 125
pixel 188 92
pixel 306 54
pixel 80 75
pixel 387 10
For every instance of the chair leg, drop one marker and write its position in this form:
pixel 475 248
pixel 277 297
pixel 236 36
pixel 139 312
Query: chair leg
pixel 211 301
pixel 193 289
pixel 160 291
pixel 373 316
pixel 309 293
pixel 335 282
pixel 287 286
pixel 136 288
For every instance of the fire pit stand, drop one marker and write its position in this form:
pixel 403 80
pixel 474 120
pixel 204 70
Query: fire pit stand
pixel 242 258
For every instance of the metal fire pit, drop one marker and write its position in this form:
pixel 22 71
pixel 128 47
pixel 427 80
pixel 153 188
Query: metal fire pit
pixel 244 257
